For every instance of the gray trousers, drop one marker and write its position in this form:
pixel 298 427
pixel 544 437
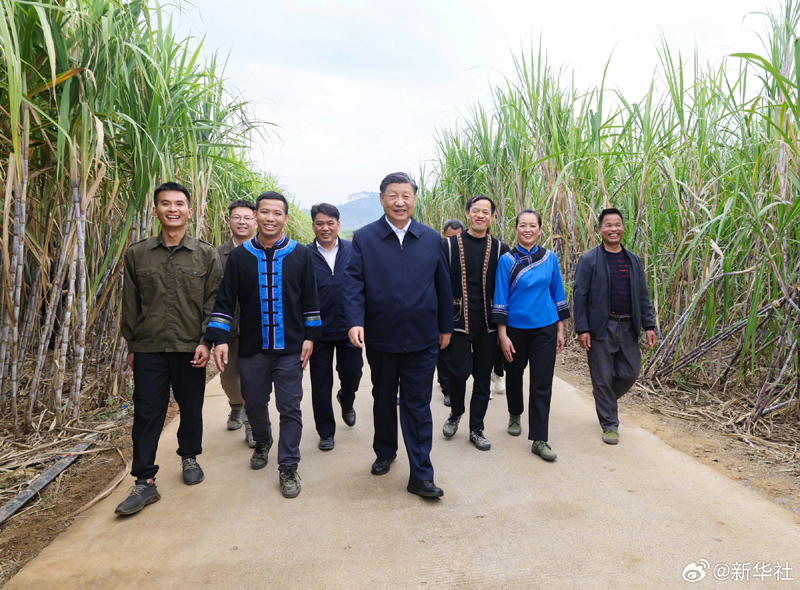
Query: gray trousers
pixel 257 374
pixel 614 364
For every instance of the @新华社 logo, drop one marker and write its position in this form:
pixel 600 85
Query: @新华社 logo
pixel 695 572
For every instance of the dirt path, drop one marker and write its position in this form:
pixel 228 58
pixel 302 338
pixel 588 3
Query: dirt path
pixel 631 516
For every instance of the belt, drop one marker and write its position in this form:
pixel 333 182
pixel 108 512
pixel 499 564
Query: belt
pixel 622 319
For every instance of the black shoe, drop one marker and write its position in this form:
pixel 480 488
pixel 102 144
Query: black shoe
pixel 260 456
pixel 141 494
pixel 326 444
pixel 192 473
pixel 426 489
pixel 447 399
pixel 348 416
pixel 381 467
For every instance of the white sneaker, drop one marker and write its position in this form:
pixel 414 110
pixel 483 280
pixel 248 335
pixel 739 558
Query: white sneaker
pixel 499 384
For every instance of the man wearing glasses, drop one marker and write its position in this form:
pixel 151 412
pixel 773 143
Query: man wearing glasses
pixel 242 221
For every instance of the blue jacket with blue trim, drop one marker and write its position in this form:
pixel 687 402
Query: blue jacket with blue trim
pixel 528 291
pixel 277 294
pixel 401 295
pixel 330 285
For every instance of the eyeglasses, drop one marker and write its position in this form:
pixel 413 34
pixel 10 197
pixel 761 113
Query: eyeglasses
pixel 238 218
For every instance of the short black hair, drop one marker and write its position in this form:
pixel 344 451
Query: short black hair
pixel 241 203
pixel 525 212
pixel 273 196
pixel 453 224
pixel 472 200
pixel 398 178
pixel 610 211
pixel 325 209
pixel 172 187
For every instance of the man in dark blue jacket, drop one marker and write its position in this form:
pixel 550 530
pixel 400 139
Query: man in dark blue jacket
pixel 399 302
pixel 331 255
pixel 611 307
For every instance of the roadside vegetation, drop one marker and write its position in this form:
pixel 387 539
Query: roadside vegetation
pixel 706 169
pixel 99 103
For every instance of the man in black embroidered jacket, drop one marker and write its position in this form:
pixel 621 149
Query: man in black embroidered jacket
pixel 472 257
pixel 272 278
pixel 611 307
pixel 331 254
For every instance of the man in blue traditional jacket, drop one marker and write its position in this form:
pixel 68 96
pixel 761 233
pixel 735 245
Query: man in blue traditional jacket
pixel 399 303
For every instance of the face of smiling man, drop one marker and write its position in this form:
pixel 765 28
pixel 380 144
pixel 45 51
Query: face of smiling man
pixel 172 209
pixel 480 218
pixel 611 231
pixel 398 202
pixel 271 217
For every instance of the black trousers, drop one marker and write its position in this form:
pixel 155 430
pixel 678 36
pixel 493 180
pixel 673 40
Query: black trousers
pixel 442 370
pixel 153 373
pixel 536 346
pixel 471 354
pixel 499 361
pixel 412 373
pixel 349 363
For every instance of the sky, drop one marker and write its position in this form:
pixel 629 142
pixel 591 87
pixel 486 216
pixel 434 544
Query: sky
pixel 357 89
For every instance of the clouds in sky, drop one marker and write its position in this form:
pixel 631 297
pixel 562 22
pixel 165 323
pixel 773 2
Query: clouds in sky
pixel 358 88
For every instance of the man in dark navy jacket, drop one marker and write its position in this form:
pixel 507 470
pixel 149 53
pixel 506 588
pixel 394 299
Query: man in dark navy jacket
pixel 399 303
pixel 331 255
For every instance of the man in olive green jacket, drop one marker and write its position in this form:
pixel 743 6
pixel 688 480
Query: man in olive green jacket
pixel 169 289
pixel 242 223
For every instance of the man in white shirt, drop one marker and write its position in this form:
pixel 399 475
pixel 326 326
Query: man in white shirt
pixel 331 256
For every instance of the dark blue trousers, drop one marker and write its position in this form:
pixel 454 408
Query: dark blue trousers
pixel 412 374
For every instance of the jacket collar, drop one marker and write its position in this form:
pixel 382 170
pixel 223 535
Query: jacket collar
pixel 385 231
pixel 282 243
pixel 342 245
pixel 187 242
pixel 525 252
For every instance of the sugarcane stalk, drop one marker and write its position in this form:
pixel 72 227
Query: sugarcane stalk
pixel 50 317
pixel 80 346
pixel 64 338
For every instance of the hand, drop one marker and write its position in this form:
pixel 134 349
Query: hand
pixel 560 341
pixel 221 356
pixel 356 335
pixel 651 338
pixel 585 341
pixel 508 348
pixel 201 356
pixel 305 353
pixel 130 360
pixel 444 341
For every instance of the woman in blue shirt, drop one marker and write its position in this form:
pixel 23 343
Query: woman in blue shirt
pixel 530 308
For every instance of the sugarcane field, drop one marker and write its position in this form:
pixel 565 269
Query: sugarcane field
pixel 135 134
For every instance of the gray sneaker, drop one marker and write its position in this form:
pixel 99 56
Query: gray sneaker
pixel 192 473
pixel 476 438
pixel 248 436
pixel 235 419
pixel 290 482
pixel 451 426
pixel 514 427
pixel 260 456
pixel 541 448
pixel 140 495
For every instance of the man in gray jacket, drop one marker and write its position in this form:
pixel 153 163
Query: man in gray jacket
pixel 611 306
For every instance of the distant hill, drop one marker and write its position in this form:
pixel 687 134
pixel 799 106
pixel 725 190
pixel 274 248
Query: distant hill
pixel 359 209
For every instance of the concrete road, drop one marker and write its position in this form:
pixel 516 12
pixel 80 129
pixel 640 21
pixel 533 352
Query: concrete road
pixel 631 516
